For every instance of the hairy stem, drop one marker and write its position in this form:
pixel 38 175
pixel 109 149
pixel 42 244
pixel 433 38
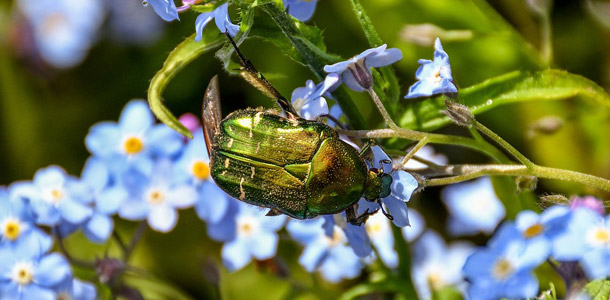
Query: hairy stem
pixel 508 147
pixel 414 150
pixel 382 109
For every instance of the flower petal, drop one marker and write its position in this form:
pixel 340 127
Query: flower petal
pixel 52 270
pixel 162 218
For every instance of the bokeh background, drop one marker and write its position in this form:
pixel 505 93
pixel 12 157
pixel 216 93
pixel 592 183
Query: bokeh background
pixel 46 111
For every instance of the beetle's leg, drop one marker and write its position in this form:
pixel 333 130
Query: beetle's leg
pixel 367 147
pixel 385 213
pixel 353 218
pixel 254 77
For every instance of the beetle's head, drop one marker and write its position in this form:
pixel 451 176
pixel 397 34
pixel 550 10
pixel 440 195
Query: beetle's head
pixel 377 184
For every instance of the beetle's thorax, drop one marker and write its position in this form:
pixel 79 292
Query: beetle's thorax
pixel 377 185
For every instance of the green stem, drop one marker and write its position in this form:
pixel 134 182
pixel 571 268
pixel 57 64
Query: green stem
pixel 433 138
pixel 414 150
pixel 508 147
pixel 382 110
pixel 477 136
pixel 546 29
pixel 467 172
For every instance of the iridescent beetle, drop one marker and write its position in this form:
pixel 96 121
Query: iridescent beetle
pixel 291 165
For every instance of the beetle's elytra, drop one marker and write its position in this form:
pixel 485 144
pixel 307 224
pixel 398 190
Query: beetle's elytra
pixel 298 167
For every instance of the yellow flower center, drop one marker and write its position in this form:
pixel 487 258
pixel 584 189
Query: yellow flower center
pixel 133 145
pixel 23 273
pixel 247 226
pixel 337 237
pixel 54 195
pixel 11 229
pixel 599 236
pixel 376 225
pixel 435 281
pixel 155 196
pixel 436 76
pixel 502 269
pixel 201 170
pixel 533 230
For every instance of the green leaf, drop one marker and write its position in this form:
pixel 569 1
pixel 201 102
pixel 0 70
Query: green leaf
pixel 514 87
pixel 598 289
pixel 447 293
pixel 181 56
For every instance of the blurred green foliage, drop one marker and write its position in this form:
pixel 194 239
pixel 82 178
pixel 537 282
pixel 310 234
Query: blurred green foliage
pixel 45 115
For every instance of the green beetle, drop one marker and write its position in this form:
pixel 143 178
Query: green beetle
pixel 291 165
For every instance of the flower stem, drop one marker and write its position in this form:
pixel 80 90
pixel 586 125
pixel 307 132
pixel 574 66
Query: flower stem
pixel 382 109
pixel 433 138
pixel 508 147
pixel 467 172
pixel 414 150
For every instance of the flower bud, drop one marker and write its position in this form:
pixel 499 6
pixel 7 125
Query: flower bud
pixel 458 113
pixel 526 183
pixel 589 202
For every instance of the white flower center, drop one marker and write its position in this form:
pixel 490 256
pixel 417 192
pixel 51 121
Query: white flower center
pixel 502 269
pixel 200 169
pixel 376 225
pixel 598 236
pixel 23 273
pixel 247 226
pixel 436 76
pixel 133 145
pixel 155 196
pixel 435 280
pixel 11 228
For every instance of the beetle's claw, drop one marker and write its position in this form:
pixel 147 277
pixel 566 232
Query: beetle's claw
pixel 361 219
pixel 385 213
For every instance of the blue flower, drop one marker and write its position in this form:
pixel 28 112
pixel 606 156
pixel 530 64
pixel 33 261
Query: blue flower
pixel 379 231
pixel 108 198
pixel 402 187
pixel 76 289
pixel 133 140
pixel 54 197
pixel 473 206
pixel 166 9
pixel 417 224
pixel 504 269
pixel 436 265
pixel 539 230
pixel 357 236
pixel 255 237
pixel 63 30
pixel 308 100
pixel 330 255
pixel 301 9
pixel 221 17
pixel 155 197
pixel 434 77
pixel 356 73
pixel 193 168
pixel 587 240
pixel 27 273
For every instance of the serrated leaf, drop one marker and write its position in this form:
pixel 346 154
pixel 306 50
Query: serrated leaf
pixel 598 289
pixel 514 87
pixel 183 54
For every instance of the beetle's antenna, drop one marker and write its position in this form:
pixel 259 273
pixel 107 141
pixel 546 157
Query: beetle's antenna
pixel 254 77
pixel 385 213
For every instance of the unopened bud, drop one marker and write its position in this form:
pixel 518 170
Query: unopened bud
pixel 458 113
pixel 546 125
pixel 553 199
pixel 526 183
pixel 108 269
pixel 589 202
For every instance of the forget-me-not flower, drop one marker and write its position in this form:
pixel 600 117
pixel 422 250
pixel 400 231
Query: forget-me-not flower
pixel 74 289
pixel 54 196
pixel 156 198
pixel 330 255
pixel 379 230
pixel 17 222
pixel 587 240
pixel 434 77
pixel 63 30
pixel 503 269
pixel 133 140
pixel 193 168
pixel 221 17
pixel 356 73
pixel 255 237
pixel 473 206
pixel 436 265
pixel 166 9
pixel 416 227
pixel 309 102
pixel 301 9
pixel 539 230
pixel 402 187
pixel 27 273
pixel 108 197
